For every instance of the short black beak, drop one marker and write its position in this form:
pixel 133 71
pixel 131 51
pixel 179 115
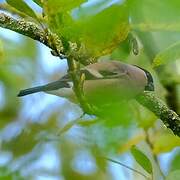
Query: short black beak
pixel 149 87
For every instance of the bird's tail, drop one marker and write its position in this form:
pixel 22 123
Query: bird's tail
pixel 48 87
pixel 30 91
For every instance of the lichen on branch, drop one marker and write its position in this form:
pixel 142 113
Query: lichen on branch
pixel 170 119
pixel 28 29
pixel 44 36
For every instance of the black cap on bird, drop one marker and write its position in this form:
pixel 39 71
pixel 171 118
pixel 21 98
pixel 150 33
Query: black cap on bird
pixel 104 82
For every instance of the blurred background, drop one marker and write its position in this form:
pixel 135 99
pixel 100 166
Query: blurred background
pixel 33 141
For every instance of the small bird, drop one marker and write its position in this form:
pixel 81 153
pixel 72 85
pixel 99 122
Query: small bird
pixel 105 82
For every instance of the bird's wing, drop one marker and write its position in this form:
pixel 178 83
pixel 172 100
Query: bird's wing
pixel 95 74
pixel 106 70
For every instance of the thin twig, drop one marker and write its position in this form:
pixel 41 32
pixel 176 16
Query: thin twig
pixel 148 141
pixel 128 167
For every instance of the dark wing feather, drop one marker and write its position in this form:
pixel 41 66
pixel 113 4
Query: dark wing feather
pixel 107 73
pixel 88 75
pixel 48 87
pixel 103 73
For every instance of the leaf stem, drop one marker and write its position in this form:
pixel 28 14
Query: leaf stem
pixel 128 167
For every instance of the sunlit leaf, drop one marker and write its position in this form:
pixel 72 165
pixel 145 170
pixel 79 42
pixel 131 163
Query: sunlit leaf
pixel 131 142
pixel 142 159
pixel 174 175
pixel 99 31
pixel 161 145
pixel 20 5
pixel 170 54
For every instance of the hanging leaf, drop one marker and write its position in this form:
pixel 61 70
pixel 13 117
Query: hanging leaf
pixel 170 54
pixel 1 52
pixel 20 5
pixel 38 2
pixel 142 159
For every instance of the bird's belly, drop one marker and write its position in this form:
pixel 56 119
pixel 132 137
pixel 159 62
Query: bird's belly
pixel 108 91
pixel 65 93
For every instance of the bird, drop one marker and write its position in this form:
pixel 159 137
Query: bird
pixel 105 82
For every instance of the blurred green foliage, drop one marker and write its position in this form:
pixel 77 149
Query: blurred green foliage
pixel 23 7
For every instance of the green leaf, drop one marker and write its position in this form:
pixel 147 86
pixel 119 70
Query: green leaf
pixel 20 5
pixel 142 159
pixel 175 163
pixel 165 16
pixel 99 28
pixel 85 123
pixel 38 2
pixel 174 175
pixel 170 54
pixel 53 7
pixel 68 126
pixel 1 52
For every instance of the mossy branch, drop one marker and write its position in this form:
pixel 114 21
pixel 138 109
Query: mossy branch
pixel 35 32
pixel 28 29
pixel 32 30
pixel 160 109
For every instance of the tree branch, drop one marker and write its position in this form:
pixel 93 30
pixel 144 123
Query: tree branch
pixel 45 37
pixel 32 30
pixel 28 29
pixel 51 40
pixel 156 105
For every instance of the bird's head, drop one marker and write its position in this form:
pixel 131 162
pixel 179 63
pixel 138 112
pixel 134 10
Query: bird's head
pixel 150 83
